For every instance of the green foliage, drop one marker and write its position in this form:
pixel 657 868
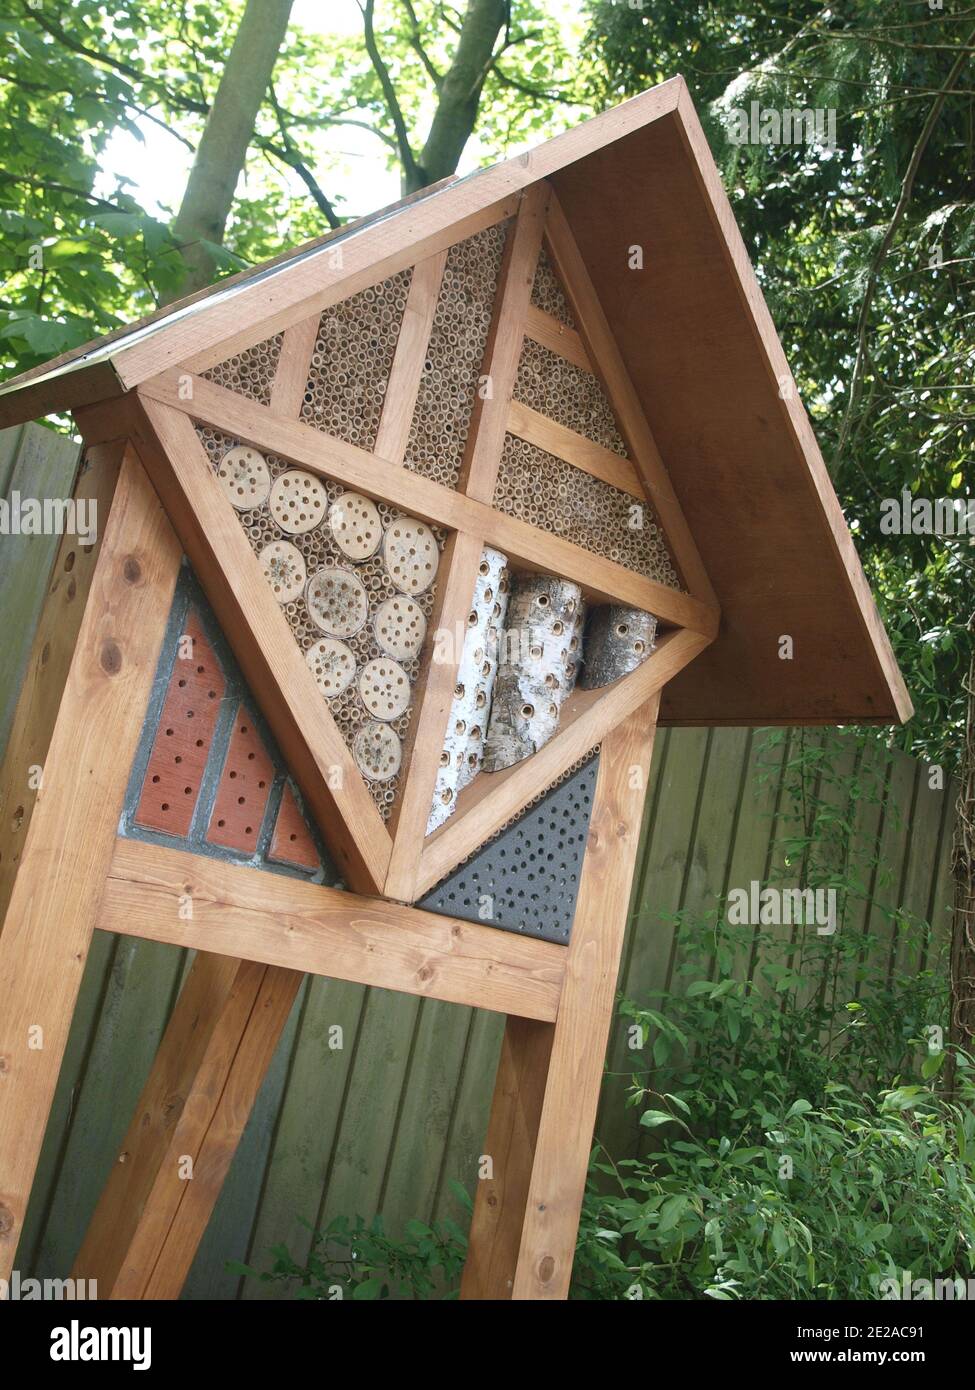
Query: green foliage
pixel 757 1192
pixel 79 256
pixel 359 1260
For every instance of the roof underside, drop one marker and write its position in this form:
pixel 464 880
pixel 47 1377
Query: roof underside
pixel 695 336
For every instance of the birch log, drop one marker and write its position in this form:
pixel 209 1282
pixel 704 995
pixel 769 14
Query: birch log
pixel 463 750
pixel 537 672
pixel 618 640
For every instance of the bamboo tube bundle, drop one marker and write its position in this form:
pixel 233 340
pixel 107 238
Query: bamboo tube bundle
pixel 537 672
pixel 618 640
pixel 463 750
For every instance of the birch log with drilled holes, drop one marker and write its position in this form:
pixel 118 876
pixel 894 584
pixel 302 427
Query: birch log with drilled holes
pixel 618 640
pixel 463 750
pixel 540 657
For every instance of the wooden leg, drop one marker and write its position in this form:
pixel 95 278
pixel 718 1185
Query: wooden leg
pixel 499 1204
pixel 71 837
pixel 158 1199
pixel 526 1217
pixel 585 1009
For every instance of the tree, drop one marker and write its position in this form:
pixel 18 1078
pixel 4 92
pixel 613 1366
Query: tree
pixel 199 226
pixel 80 256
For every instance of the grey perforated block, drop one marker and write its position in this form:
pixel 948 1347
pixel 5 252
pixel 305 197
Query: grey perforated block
pixel 527 880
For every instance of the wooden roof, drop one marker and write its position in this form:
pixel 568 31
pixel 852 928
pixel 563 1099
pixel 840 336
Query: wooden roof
pixel 698 343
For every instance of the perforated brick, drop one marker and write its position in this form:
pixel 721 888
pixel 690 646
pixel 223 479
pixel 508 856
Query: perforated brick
pixel 527 879
pixel 291 842
pixel 184 734
pixel 245 785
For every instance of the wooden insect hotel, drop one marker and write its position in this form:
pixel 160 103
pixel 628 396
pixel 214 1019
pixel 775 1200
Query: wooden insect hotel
pixel 405 542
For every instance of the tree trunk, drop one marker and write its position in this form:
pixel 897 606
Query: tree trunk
pixel 962 1020
pixel 460 94
pixel 223 147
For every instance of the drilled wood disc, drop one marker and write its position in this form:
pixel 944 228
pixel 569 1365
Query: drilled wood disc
pixel 384 688
pixel 356 525
pixel 400 626
pixel 411 555
pixel 297 501
pixel 377 751
pixel 332 664
pixel 337 601
pixel 245 477
pixel 284 569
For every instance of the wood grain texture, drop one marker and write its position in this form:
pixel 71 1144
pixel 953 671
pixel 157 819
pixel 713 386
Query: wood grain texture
pixel 874 634
pixel 586 718
pixel 48 665
pixel 264 646
pixel 710 376
pixel 294 364
pixel 568 1114
pixel 127 1226
pixel 500 1200
pixel 191 1114
pixel 525 545
pixel 254 915
pixel 65 858
pixel 502 352
pixel 545 329
pixel 403 385
pixel 574 448
pixel 210 1127
pixel 602 349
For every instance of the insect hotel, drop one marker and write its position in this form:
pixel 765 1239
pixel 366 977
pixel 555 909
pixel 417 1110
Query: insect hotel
pixel 406 543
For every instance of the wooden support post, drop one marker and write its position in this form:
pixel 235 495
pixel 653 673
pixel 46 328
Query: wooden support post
pixel 499 1205
pixel 71 837
pixel 184 1133
pixel 526 1219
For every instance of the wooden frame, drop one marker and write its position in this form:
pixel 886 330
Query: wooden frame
pixel 139 397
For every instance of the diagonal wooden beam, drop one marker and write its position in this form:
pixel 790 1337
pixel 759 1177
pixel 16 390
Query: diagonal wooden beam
pixel 600 345
pixel 184 1132
pixel 294 364
pixel 254 915
pixel 574 448
pixel 69 843
pixel 264 646
pixel 506 336
pixel 603 580
pixel 546 330
pixel 432 698
pixel 411 349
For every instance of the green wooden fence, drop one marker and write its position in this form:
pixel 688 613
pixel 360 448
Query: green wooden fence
pixel 386 1120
